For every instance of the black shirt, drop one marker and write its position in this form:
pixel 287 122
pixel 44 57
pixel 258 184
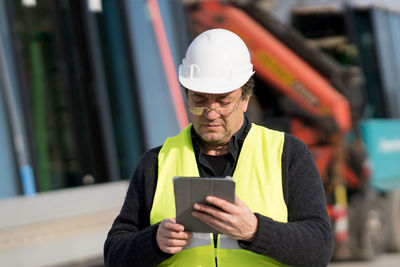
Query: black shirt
pixel 221 165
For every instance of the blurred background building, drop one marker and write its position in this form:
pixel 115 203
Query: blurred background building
pixel 87 86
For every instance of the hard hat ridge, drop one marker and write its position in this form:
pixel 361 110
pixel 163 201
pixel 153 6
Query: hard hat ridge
pixel 216 62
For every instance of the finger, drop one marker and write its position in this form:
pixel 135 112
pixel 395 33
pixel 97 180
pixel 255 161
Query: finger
pixel 169 220
pixel 219 225
pixel 169 245
pixel 179 235
pixel 218 213
pixel 211 220
pixel 221 203
pixel 176 242
pixel 172 250
pixel 172 225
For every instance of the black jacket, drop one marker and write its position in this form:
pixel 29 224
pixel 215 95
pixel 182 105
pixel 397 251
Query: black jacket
pixel 306 240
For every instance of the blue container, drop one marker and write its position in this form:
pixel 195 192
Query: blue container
pixel 382 140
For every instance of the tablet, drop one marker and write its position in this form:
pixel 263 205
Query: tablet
pixel 191 190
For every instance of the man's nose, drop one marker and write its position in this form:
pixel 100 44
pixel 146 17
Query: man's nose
pixel 211 113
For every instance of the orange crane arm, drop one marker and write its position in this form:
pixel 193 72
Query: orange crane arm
pixel 277 64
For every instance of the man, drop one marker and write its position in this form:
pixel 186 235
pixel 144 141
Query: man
pixel 279 215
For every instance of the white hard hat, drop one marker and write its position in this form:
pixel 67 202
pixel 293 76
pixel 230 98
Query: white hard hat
pixel 216 62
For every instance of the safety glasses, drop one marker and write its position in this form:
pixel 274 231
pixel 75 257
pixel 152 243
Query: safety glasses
pixel 223 111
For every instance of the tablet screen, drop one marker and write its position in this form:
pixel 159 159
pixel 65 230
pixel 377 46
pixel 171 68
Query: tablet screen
pixel 191 190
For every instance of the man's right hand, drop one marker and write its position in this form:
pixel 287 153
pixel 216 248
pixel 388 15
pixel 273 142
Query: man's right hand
pixel 171 237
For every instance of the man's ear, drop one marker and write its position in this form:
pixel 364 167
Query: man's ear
pixel 245 103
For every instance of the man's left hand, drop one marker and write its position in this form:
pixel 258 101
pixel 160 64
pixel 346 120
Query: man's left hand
pixel 234 220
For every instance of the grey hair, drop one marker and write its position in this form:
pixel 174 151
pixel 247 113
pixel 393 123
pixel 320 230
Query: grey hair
pixel 247 88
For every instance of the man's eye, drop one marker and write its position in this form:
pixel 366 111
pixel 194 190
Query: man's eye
pixel 225 103
pixel 198 102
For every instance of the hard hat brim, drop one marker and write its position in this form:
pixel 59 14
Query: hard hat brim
pixel 213 86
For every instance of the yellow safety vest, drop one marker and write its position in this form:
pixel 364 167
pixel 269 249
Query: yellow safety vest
pixel 258 177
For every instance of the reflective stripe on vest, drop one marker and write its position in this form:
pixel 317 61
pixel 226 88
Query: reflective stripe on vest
pixel 258 177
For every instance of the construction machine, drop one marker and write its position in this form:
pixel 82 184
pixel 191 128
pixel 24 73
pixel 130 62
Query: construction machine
pixel 368 37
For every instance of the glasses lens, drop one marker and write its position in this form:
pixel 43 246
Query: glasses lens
pixel 196 110
pixel 225 111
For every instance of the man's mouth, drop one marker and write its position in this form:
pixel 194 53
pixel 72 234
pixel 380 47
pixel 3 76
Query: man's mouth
pixel 211 126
